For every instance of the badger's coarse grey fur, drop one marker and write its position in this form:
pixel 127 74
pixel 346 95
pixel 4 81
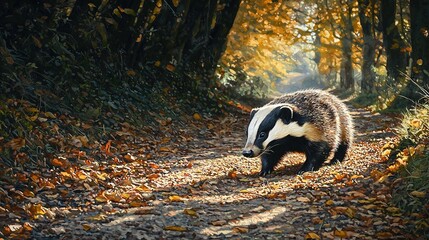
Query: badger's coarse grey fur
pixel 311 121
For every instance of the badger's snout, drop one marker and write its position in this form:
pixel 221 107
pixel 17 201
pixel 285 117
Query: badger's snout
pixel 248 153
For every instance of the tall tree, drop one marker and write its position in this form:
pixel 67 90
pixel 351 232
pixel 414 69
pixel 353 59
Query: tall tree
pixel 366 16
pixel 346 77
pixel 392 41
pixel 419 12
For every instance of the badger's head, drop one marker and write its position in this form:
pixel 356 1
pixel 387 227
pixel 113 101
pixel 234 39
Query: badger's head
pixel 270 123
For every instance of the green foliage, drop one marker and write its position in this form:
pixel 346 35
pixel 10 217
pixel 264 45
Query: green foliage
pixel 238 84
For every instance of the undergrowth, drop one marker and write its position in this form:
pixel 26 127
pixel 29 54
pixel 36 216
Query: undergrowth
pixel 412 191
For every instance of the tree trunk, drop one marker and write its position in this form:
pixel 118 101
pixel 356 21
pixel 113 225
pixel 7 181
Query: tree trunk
pixel 346 75
pixel 419 12
pixel 392 41
pixel 368 50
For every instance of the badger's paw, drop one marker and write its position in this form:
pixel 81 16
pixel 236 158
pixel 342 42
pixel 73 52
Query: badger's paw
pixel 306 168
pixel 265 172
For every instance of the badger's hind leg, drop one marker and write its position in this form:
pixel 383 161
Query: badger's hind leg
pixel 340 153
pixel 316 153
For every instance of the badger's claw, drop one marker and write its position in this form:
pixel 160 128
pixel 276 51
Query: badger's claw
pixel 265 172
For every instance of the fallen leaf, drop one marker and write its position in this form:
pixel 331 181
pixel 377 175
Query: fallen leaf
pixel 384 235
pixel 176 198
pixel 176 228
pixel 311 236
pixel 98 217
pixel 329 202
pixel 240 229
pixel 418 194
pixel 232 174
pixel 101 197
pixel 218 223
pixel 197 116
pixel 190 212
pixel 86 227
pixel 15 144
pixel 143 188
pixel 303 199
pixel 340 233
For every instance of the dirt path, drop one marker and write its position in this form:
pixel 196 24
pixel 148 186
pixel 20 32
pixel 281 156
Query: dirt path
pixel 212 192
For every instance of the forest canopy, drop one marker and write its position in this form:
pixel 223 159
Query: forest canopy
pixel 364 46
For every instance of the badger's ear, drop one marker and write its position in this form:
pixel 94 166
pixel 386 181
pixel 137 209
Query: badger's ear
pixel 253 112
pixel 286 113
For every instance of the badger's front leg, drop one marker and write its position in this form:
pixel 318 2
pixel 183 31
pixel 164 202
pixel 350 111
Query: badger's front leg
pixel 269 161
pixel 316 153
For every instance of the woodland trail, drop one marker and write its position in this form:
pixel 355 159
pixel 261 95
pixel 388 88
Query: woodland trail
pixel 211 192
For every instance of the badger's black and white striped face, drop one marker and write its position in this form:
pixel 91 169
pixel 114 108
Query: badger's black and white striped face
pixel 270 123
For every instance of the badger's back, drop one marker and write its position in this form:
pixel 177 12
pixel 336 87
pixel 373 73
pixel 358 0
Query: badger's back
pixel 324 111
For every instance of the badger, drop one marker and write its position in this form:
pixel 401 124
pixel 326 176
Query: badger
pixel 311 121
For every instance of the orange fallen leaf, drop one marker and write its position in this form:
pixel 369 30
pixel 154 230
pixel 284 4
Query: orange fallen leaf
pixel 311 236
pixel 138 203
pixel 81 175
pixel 340 233
pixel 153 176
pixel 240 229
pixel 232 174
pixel 101 197
pixel 197 116
pixel 86 227
pixel 106 148
pixel 164 149
pixel 176 198
pixel 129 158
pixel 28 193
pixel 143 188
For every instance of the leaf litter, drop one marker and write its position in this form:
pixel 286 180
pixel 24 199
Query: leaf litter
pixel 180 180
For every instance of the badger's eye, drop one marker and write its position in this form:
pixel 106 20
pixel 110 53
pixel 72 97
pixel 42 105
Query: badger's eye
pixel 262 135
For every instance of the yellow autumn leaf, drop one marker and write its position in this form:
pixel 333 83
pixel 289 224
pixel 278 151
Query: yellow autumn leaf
pixel 49 115
pixel 81 175
pixel 418 194
pixel 340 233
pixel 143 188
pixel 311 236
pixel 101 197
pixel 36 209
pixel 176 198
pixel 65 174
pixel 197 116
pixel 175 228
pixel 176 3
pixel 86 227
pixel 190 212
pixel 416 123
pixel 99 217
pixel 138 203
